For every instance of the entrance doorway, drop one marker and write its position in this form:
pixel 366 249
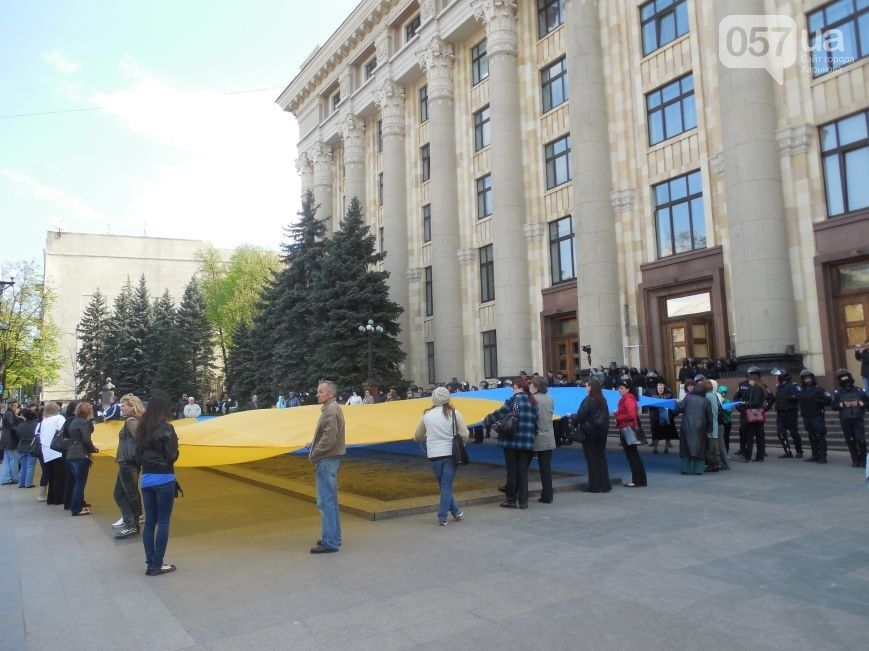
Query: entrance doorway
pixel 687 338
pixel 852 311
pixel 565 348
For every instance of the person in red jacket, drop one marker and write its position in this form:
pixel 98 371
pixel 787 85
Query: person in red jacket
pixel 627 420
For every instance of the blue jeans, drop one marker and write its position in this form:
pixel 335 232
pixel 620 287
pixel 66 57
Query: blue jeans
pixel 28 465
pixel 158 501
pixel 9 471
pixel 79 469
pixel 445 472
pixel 326 473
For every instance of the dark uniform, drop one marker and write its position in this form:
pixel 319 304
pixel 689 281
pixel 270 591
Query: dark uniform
pixel 812 401
pixel 741 395
pixel 851 402
pixel 755 396
pixel 786 396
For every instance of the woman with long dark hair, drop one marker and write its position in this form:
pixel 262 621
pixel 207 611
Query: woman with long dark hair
pixel 593 418
pixel 156 452
pixel 627 418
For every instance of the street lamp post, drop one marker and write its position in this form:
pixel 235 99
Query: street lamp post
pixel 371 329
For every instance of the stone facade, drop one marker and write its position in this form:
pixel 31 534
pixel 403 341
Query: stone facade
pixel 76 264
pixel 760 276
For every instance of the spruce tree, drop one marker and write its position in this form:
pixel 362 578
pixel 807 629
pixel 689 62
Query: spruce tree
pixel 174 373
pixel 91 358
pixel 241 376
pixel 347 291
pixel 162 319
pixel 140 330
pixel 122 360
pixel 198 341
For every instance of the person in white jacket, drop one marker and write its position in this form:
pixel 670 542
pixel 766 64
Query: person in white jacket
pixel 191 409
pixel 53 466
pixel 438 425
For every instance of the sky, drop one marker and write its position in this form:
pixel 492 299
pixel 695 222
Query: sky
pixel 186 141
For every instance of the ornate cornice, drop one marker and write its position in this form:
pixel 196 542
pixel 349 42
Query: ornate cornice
pixel 353 135
pixel 414 274
pixel 437 60
pixel 534 230
pixel 794 140
pixel 320 156
pixel 716 164
pixel 390 100
pixel 466 256
pixel 499 17
pixel 623 200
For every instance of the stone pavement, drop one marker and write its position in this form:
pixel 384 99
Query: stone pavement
pixel 767 556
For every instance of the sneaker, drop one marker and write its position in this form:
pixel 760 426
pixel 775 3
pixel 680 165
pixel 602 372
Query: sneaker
pixel 119 524
pixel 165 569
pixel 459 516
pixel 141 519
pixel 444 523
pixel 126 532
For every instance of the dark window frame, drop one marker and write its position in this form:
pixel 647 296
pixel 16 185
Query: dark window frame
pixel 411 27
pixel 423 104
pixel 658 16
pixel 369 67
pixel 425 162
pixel 663 104
pixel 482 128
pixel 689 198
pixel 426 223
pixel 487 273
pixel 430 361
pixel 490 353
pixel 380 189
pixel 550 157
pixel 840 151
pixel 479 61
pixel 485 207
pixel 428 291
pixel 547 81
pixel 335 101
pixel 555 259
pixel 380 136
pixel 826 27
pixel 380 237
pixel 550 16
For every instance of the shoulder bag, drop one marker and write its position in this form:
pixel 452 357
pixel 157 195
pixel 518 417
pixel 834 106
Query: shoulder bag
pixel 36 444
pixel 507 426
pixel 460 454
pixel 59 443
pixel 755 416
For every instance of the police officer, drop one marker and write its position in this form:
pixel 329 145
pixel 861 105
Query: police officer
pixel 786 395
pixel 851 402
pixel 812 399
pixel 741 395
pixel 756 397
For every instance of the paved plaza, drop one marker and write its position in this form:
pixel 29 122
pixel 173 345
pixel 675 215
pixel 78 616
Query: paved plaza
pixel 767 556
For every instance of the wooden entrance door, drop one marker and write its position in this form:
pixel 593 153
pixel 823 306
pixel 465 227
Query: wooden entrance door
pixel 686 338
pixel 852 316
pixel 566 356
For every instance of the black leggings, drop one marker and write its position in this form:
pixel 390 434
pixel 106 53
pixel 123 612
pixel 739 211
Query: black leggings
pixel 638 470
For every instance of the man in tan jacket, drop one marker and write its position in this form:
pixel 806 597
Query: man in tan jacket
pixel 326 450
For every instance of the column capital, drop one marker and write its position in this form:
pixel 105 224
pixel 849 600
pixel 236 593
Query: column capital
pixel 499 17
pixel 353 135
pixel 414 274
pixel 381 47
pixel 466 256
pixel 437 60
pixel 534 230
pixel 623 200
pixel 320 156
pixel 794 140
pixel 390 100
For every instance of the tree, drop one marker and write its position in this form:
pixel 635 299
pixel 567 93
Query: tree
pixel 241 372
pixel 347 291
pixel 233 290
pixel 140 332
pixel 91 358
pixel 198 344
pixel 162 330
pixel 28 338
pixel 123 349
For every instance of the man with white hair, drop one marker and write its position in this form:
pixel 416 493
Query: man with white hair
pixel 326 450
pixel 191 409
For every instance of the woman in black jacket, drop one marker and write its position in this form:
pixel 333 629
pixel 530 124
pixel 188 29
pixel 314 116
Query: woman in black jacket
pixel 156 453
pixel 758 401
pixel 78 455
pixel 594 419
pixel 26 432
pixel 127 484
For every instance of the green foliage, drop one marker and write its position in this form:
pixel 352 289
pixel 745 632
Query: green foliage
pixel 28 339
pixel 198 344
pixel 123 349
pixel 162 319
pixel 91 356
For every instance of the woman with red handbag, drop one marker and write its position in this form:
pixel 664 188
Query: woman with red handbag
pixel 627 420
pixel 753 409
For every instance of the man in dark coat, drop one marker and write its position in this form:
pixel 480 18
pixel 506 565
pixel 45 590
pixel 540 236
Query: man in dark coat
pixel 786 395
pixel 851 402
pixel 812 400
pixel 694 431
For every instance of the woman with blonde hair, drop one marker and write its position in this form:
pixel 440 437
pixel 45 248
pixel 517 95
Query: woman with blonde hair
pixel 438 425
pixel 53 465
pixel 127 484
pixel 78 455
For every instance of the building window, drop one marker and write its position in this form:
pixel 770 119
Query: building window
pixel 490 354
pixel 479 63
pixel 561 250
pixel 484 196
pixel 663 21
pixel 482 133
pixel 380 189
pixel 559 166
pixel 336 100
pixel 429 298
pixel 550 14
pixel 425 162
pixel 838 35
pixel 679 215
pixel 426 223
pixel 671 110
pixel 423 104
pixel 487 274
pixel 411 28
pixel 845 152
pixel 380 136
pixel 380 235
pixel 553 84
pixel 369 68
pixel 430 359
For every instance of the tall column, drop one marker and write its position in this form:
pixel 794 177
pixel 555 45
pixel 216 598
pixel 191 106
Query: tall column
pixel 321 159
pixel 512 309
pixel 353 134
pixel 597 277
pixel 763 294
pixel 305 171
pixel 390 99
pixel 437 60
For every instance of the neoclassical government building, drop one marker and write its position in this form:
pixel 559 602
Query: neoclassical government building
pixel 545 175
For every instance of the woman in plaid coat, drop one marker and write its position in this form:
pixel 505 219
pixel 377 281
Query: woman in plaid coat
pixel 519 449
